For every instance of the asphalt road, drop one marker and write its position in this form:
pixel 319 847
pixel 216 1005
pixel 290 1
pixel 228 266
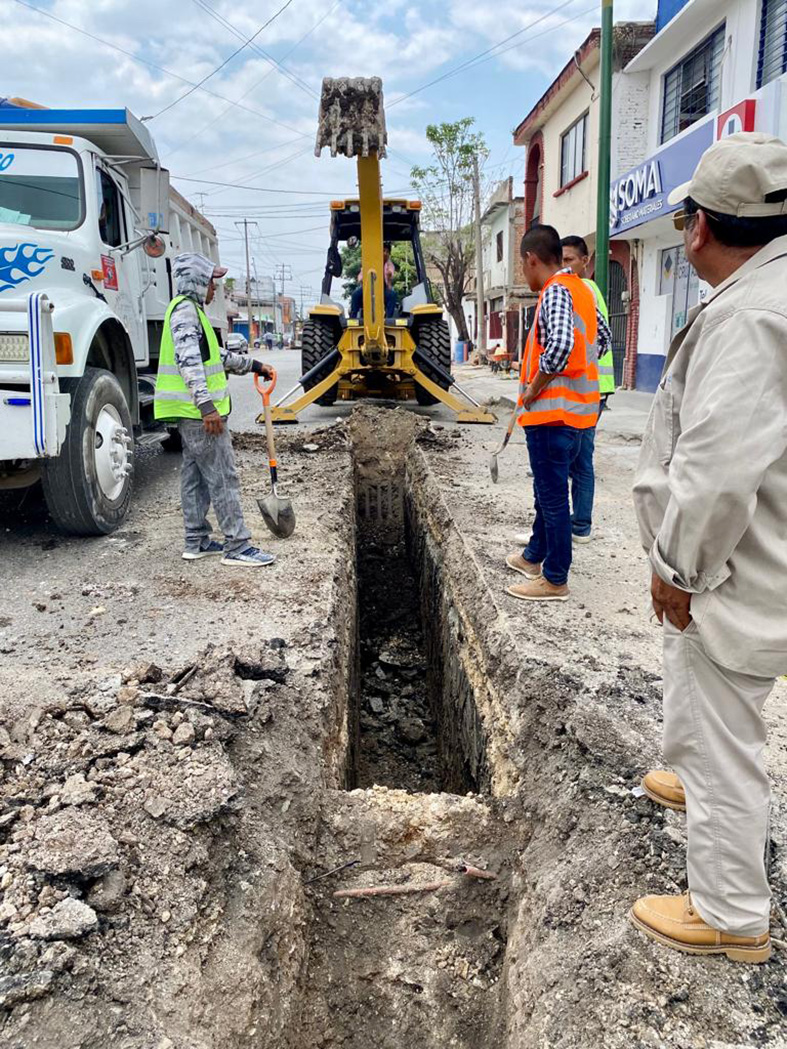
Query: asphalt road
pixel 246 402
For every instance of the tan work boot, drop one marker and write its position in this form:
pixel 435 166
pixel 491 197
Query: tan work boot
pixel 539 589
pixel 527 568
pixel 665 789
pixel 673 922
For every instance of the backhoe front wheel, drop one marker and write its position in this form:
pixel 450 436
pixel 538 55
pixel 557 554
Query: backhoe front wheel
pixel 317 341
pixel 434 342
pixel 88 486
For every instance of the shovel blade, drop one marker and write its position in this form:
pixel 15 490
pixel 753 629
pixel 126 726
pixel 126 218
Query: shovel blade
pixel 493 467
pixel 278 515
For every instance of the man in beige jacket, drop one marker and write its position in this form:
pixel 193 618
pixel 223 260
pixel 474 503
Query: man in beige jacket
pixel 711 500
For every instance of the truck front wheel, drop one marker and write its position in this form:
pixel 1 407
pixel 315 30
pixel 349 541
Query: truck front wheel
pixel 88 486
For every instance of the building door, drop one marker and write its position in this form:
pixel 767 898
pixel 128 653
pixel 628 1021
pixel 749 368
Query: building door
pixel 618 317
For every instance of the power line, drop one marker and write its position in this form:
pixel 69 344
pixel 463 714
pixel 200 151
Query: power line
pixel 475 58
pixel 153 65
pixel 255 85
pixel 258 189
pixel 236 160
pixel 237 51
pixel 296 80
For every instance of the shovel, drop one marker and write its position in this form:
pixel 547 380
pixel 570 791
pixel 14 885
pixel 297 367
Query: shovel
pixel 276 510
pixel 493 457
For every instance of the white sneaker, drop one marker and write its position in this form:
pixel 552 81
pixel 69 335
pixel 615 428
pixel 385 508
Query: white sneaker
pixel 581 540
pixel 521 538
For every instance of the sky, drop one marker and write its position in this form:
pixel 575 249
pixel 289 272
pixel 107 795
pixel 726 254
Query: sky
pixel 253 121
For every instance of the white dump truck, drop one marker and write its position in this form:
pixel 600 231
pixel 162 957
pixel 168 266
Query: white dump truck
pixel 88 228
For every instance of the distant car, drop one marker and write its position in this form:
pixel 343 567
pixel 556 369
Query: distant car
pixel 257 343
pixel 237 342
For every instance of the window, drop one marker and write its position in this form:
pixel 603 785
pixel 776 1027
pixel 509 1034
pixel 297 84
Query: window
pixel 572 151
pixel 772 60
pixel 110 220
pixel 40 187
pixel 693 87
pixel 499 246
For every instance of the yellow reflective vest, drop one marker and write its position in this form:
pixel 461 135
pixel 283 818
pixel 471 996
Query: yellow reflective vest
pixel 606 366
pixel 172 398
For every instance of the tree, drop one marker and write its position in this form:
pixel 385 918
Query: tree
pixel 446 192
pixel 229 285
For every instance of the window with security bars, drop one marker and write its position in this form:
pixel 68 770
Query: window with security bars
pixel 572 151
pixel 693 87
pixel 772 60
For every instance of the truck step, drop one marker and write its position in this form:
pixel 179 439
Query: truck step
pixel 152 437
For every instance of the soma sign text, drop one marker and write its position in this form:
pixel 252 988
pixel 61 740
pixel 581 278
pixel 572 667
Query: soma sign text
pixel 635 195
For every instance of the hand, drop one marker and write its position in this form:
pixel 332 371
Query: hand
pixel 528 397
pixel 266 371
pixel 671 602
pixel 213 423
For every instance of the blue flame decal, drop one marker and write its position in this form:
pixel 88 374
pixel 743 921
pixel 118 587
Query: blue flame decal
pixel 22 263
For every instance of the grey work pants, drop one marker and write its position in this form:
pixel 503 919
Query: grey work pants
pixel 714 736
pixel 208 476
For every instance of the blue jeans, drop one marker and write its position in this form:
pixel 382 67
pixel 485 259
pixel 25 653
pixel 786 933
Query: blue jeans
pixel 583 483
pixel 552 449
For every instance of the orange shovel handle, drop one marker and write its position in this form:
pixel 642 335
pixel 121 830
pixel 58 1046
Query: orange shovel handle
pixel 264 390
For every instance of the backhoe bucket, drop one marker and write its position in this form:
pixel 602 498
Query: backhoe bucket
pixel 352 117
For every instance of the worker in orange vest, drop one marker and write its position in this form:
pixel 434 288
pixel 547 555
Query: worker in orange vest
pixel 558 398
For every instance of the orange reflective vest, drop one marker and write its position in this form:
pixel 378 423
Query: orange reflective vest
pixel 572 398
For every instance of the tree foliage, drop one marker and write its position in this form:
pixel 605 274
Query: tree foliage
pixel 446 191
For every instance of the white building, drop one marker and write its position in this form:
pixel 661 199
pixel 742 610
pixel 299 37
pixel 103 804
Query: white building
pixel 714 66
pixel 561 136
pixel 502 226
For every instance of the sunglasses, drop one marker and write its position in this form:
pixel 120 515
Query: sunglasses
pixel 679 219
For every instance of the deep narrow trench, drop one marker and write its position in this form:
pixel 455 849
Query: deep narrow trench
pixel 422 964
pixel 397 730
pixel 413 724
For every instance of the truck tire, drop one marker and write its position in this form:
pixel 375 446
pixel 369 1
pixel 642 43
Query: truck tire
pixel 88 486
pixel 434 341
pixel 317 341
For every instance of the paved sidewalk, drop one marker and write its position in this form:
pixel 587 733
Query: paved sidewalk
pixel 626 417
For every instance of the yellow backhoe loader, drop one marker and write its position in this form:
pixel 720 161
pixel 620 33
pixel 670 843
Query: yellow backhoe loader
pixel 403 352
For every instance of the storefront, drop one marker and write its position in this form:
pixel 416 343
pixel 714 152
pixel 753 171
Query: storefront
pixel 640 214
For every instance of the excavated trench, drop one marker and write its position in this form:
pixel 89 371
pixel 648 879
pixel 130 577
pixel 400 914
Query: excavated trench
pixel 423 960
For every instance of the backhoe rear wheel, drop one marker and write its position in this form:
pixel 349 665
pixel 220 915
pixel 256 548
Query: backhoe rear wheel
pixel 317 341
pixel 434 341
pixel 88 486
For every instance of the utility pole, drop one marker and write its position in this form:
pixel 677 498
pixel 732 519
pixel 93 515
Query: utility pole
pixel 259 298
pixel 601 272
pixel 283 272
pixel 246 223
pixel 479 265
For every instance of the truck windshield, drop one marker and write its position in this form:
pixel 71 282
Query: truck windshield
pixel 40 187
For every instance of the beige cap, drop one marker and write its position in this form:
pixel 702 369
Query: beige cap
pixel 736 174
pixel 219 272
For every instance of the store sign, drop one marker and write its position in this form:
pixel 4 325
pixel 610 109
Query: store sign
pixel 630 193
pixel 641 194
pixel 739 118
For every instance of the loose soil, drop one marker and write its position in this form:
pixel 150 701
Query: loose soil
pixel 194 761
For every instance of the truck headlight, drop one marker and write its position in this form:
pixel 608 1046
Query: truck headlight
pixel 14 346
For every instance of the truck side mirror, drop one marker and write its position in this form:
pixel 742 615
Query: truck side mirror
pixel 153 246
pixel 154 199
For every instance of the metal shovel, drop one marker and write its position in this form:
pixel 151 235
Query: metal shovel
pixel 276 510
pixel 493 457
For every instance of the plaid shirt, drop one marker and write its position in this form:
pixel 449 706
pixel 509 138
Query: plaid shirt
pixel 556 328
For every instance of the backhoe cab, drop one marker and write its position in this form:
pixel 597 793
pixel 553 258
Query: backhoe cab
pixel 405 355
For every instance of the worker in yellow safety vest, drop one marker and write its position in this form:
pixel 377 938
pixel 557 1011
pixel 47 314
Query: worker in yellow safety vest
pixel 582 473
pixel 192 394
pixel 559 402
